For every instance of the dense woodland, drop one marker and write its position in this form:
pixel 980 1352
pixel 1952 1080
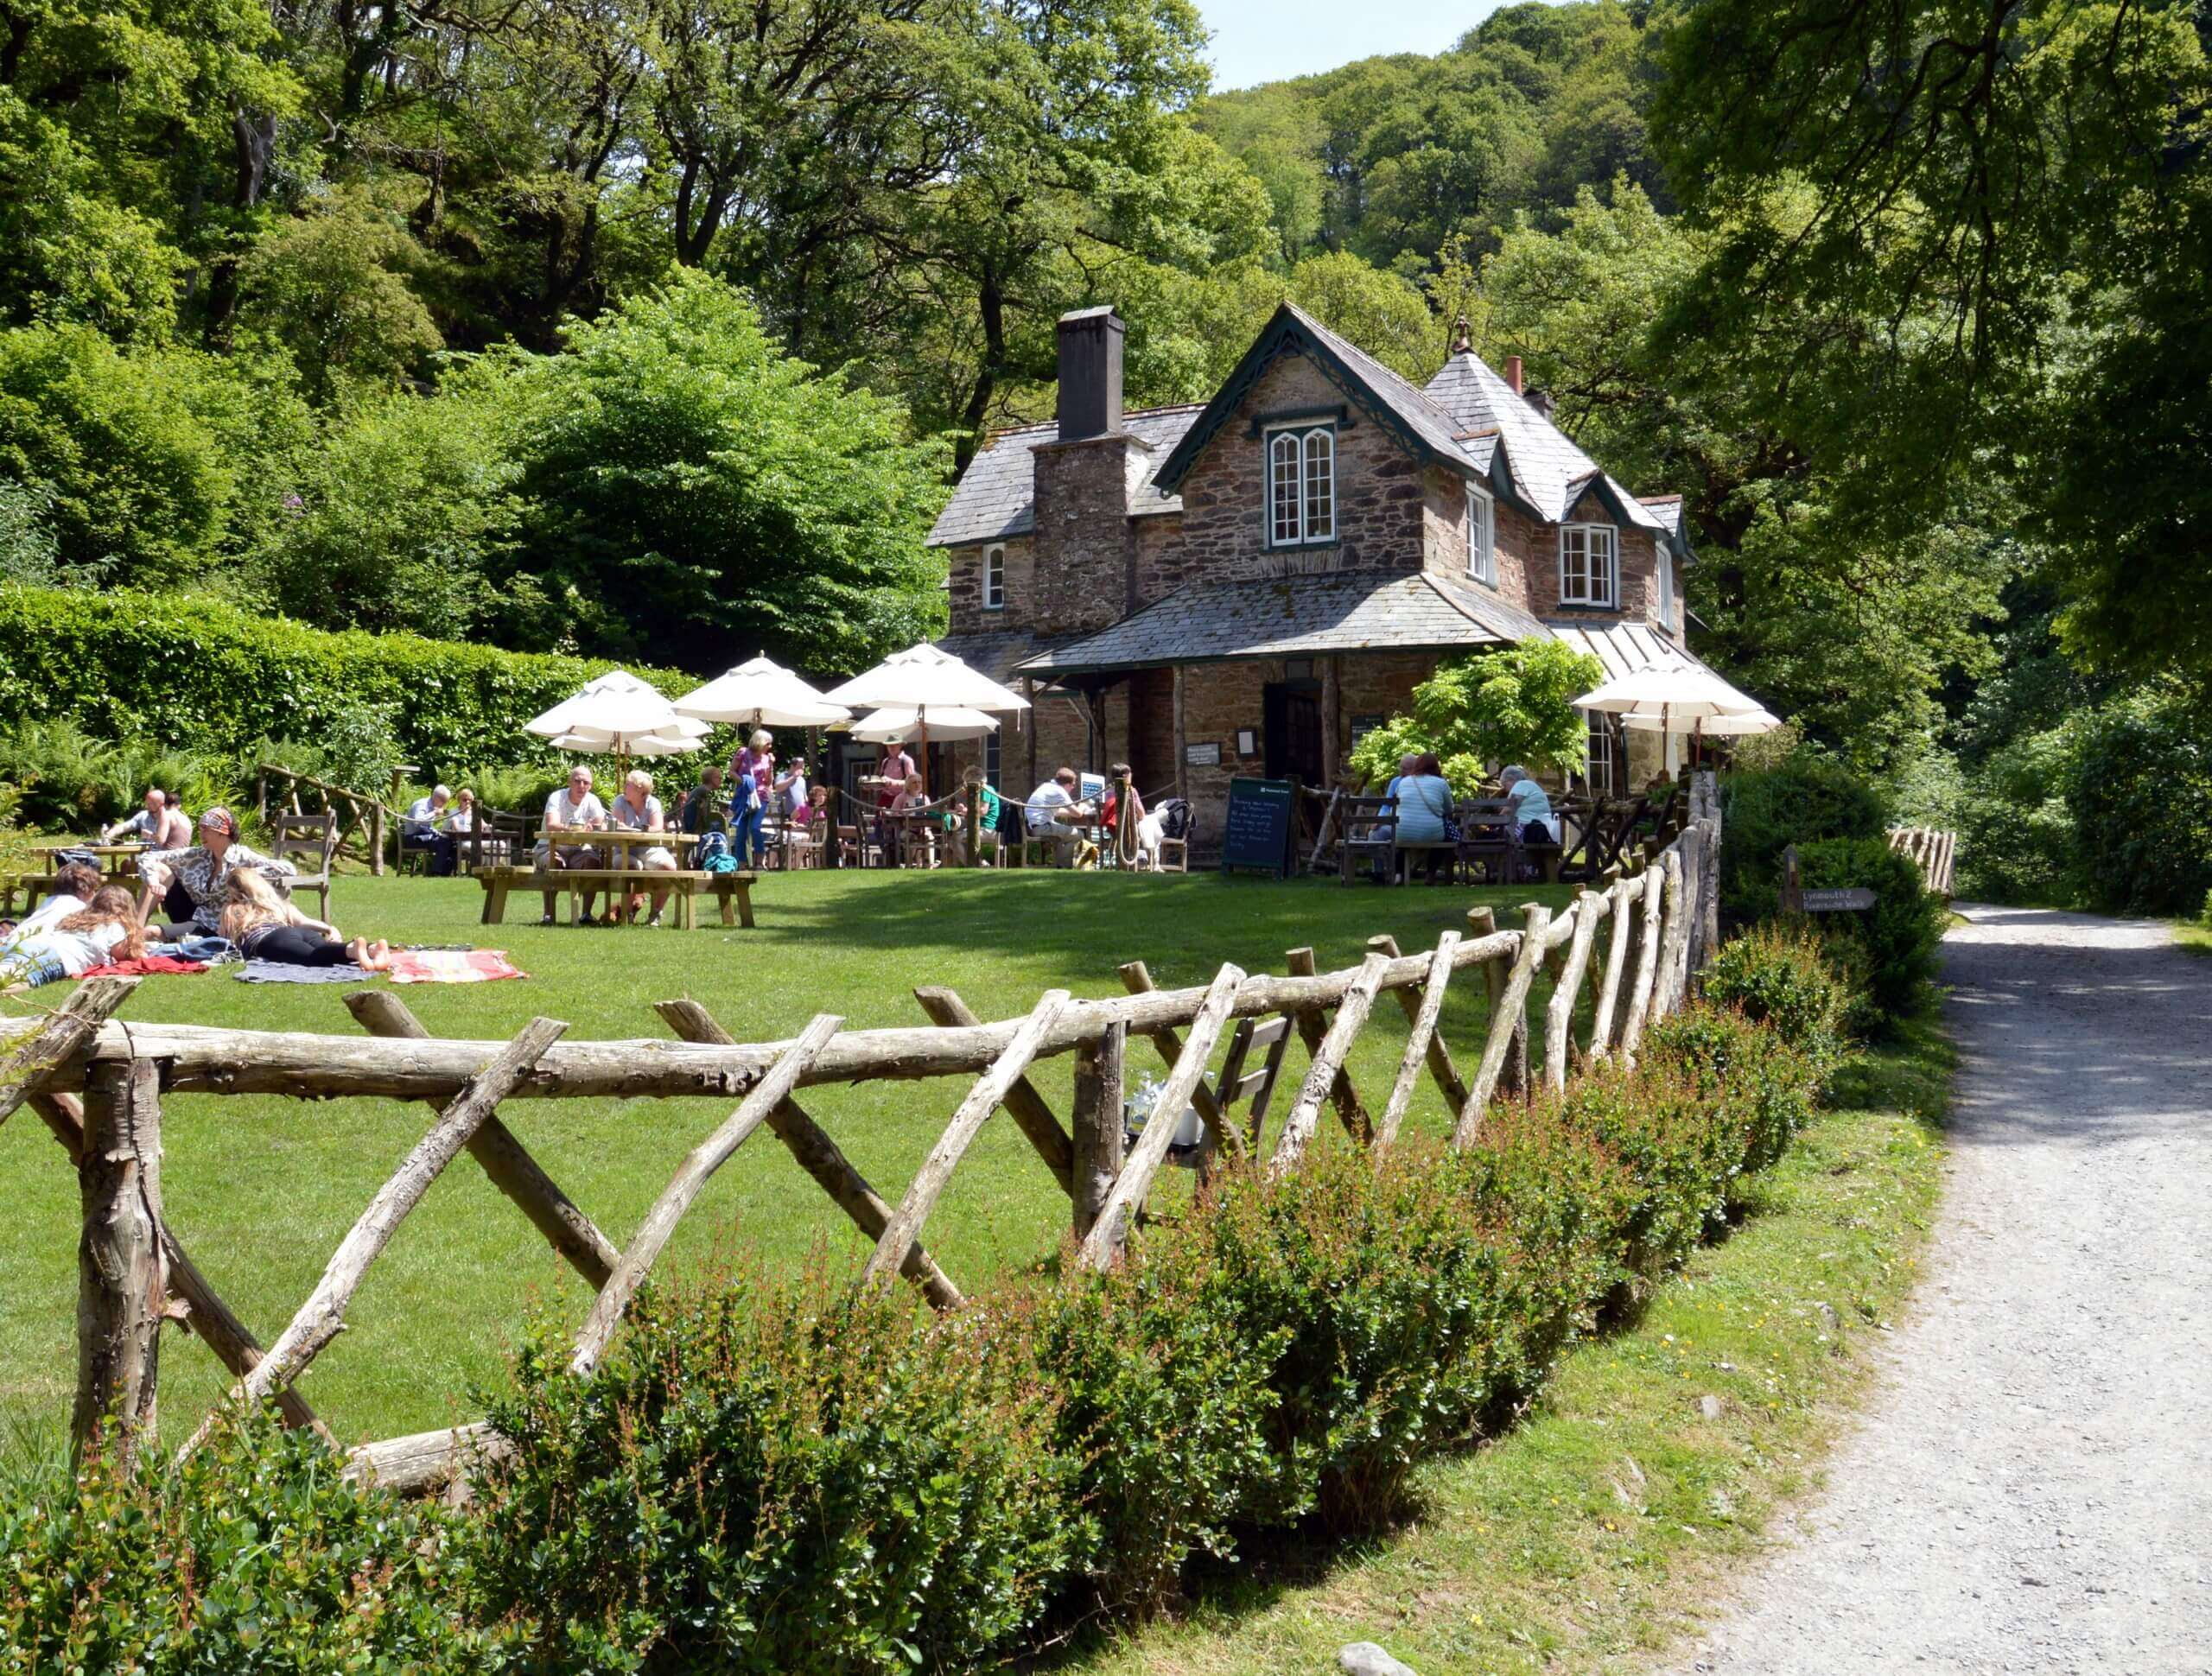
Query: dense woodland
pixel 652 329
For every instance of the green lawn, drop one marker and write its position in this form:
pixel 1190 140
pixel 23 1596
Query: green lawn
pixel 261 1190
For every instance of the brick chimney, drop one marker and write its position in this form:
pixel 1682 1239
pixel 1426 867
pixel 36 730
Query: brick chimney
pixel 1086 548
pixel 1541 400
pixel 1090 373
pixel 1513 372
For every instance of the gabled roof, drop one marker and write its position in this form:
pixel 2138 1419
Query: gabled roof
pixel 1298 617
pixel 997 497
pixel 1545 471
pixel 1418 422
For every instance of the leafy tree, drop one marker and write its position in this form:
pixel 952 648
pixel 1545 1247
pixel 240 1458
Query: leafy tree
pixel 1514 706
pixel 328 288
pixel 684 482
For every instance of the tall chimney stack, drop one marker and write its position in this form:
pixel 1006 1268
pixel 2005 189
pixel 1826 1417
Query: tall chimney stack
pixel 1090 373
pixel 1512 368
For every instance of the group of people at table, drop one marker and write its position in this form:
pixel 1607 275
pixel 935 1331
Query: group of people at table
pixel 1424 813
pixel 215 896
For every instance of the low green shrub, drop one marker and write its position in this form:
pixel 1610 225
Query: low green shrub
pixel 1888 951
pixel 1762 1089
pixel 1805 798
pixel 254 1557
pixel 769 1479
pixel 1776 974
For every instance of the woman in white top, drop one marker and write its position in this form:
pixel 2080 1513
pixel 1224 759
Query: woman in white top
pixel 638 810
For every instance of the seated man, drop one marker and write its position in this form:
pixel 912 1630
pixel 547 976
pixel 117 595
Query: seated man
pixel 195 877
pixel 160 824
pixel 1047 804
pixel 424 827
pixel 572 809
pixel 638 810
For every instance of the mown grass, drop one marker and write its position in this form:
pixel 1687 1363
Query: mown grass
pixel 262 1190
pixel 2193 935
pixel 1594 1532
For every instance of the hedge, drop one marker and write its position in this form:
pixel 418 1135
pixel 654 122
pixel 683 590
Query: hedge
pixel 185 669
pixel 767 1476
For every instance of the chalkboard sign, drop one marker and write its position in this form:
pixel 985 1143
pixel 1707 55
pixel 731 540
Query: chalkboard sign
pixel 1258 831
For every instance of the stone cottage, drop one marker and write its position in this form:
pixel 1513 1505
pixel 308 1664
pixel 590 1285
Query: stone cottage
pixel 1245 587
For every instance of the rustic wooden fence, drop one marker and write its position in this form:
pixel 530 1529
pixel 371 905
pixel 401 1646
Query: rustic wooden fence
pixel 1931 851
pixel 363 822
pixel 96 1085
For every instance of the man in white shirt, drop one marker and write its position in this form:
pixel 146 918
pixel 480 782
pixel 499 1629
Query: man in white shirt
pixel 424 825
pixel 572 809
pixel 1055 794
pixel 161 825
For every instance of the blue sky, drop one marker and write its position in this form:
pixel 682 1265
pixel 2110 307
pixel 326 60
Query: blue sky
pixel 1259 41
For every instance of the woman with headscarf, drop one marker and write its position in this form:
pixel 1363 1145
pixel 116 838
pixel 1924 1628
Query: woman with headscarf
pixel 200 871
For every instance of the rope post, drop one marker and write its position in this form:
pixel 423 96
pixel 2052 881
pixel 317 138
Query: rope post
pixel 975 825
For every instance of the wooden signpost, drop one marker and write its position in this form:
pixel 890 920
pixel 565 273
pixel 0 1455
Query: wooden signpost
pixel 1796 899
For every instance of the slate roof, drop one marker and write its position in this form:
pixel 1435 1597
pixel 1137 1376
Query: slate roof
pixel 1625 648
pixel 996 653
pixel 1544 467
pixel 996 495
pixel 1402 406
pixel 1297 617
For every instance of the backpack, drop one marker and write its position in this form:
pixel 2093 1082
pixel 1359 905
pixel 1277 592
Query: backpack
pixel 1174 817
pixel 714 854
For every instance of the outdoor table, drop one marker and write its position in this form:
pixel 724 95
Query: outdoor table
pixel 615 845
pixel 116 861
pixel 903 831
pixel 622 840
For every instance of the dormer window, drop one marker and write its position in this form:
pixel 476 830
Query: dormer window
pixel 1482 536
pixel 994 578
pixel 1302 486
pixel 1589 565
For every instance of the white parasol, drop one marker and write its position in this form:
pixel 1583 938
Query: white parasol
pixel 930 682
pixel 1759 722
pixel 761 693
pixel 617 713
pixel 1666 696
pixel 897 723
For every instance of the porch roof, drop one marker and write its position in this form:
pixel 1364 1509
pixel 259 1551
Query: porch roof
pixel 1296 617
pixel 1625 648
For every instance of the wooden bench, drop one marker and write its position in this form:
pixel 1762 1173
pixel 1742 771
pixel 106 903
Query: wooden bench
pixel 734 890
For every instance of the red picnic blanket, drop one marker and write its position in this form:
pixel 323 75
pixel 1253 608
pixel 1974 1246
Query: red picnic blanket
pixel 146 967
pixel 452 966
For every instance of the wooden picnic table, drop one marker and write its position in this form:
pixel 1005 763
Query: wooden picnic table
pixel 622 841
pixel 116 861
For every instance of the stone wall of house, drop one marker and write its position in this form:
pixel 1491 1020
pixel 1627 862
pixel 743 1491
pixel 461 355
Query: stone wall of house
pixel 1380 496
pixel 963 590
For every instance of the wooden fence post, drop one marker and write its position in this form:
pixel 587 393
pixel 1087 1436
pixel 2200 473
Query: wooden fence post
pixel 1508 1022
pixel 1647 963
pixel 1441 1065
pixel 1625 892
pixel 1119 1213
pixel 1513 1074
pixel 121 1275
pixel 1674 945
pixel 1559 1017
pixel 1101 1064
pixel 28 1067
pixel 1422 1041
pixel 822 1158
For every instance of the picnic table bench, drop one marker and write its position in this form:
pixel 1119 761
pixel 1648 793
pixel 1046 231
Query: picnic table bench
pixel 734 890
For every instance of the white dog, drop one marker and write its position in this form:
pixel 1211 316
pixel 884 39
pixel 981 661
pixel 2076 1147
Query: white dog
pixel 1149 833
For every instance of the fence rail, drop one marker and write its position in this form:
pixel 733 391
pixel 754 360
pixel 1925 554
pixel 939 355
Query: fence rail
pixel 1931 850
pixel 1659 922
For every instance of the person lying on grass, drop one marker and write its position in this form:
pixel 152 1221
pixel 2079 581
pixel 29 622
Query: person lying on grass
pixel 104 929
pixel 264 926
pixel 72 889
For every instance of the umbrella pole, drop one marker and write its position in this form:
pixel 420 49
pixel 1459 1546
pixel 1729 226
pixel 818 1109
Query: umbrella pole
pixel 922 762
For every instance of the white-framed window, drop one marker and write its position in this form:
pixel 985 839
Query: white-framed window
pixel 1482 536
pixel 1603 772
pixel 1589 565
pixel 1302 486
pixel 994 578
pixel 1664 563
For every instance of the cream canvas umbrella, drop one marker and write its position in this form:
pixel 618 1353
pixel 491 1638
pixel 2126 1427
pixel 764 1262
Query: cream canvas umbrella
pixel 949 724
pixel 930 682
pixel 617 714
pixel 1665 696
pixel 761 693
pixel 1759 722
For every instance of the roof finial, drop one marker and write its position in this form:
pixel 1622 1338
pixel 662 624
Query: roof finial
pixel 1463 337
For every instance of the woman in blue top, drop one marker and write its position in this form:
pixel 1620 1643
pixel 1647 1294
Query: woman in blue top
pixel 1423 806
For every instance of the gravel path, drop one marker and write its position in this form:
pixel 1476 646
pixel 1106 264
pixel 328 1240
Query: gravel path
pixel 2031 1489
